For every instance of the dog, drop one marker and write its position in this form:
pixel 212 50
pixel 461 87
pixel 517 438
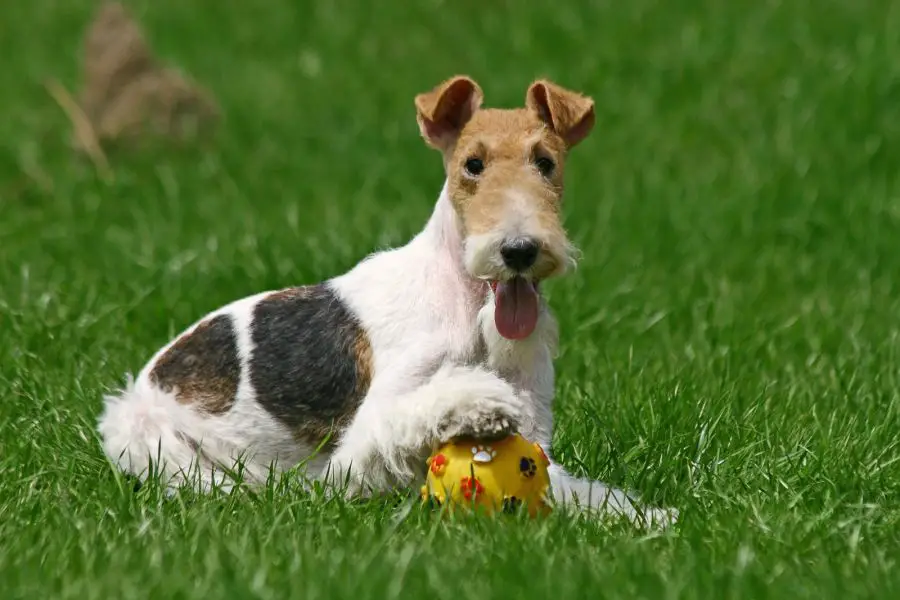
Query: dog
pixel 363 374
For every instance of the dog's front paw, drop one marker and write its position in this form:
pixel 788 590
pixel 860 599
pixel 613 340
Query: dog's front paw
pixel 480 405
pixel 479 426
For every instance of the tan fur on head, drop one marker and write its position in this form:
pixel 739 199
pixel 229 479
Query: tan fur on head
pixel 568 113
pixel 444 111
pixel 505 167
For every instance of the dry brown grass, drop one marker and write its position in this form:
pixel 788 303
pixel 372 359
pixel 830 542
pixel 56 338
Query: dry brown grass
pixel 128 96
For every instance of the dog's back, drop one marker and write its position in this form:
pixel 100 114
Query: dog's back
pixel 272 376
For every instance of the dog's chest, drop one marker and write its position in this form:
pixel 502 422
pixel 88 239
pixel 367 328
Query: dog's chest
pixel 474 346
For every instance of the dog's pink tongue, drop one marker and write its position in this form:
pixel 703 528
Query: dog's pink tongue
pixel 516 308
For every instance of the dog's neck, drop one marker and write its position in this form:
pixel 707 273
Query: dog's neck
pixel 461 300
pixel 444 230
pixel 443 236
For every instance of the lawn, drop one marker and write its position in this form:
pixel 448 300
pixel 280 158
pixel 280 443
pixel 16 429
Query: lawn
pixel 730 342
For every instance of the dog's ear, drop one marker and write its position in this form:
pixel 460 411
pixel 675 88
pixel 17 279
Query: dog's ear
pixel 568 113
pixel 445 110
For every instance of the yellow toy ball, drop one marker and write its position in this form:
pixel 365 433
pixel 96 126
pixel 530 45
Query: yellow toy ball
pixel 497 475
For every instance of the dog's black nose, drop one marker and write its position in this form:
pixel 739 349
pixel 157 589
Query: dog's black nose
pixel 519 253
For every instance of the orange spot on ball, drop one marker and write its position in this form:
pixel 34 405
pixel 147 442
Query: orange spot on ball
pixel 540 450
pixel 471 487
pixel 438 463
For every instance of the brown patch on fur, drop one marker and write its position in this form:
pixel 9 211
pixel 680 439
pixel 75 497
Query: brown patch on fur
pixel 508 142
pixel 444 111
pixel 127 94
pixel 202 368
pixel 569 114
pixel 365 362
pixel 513 147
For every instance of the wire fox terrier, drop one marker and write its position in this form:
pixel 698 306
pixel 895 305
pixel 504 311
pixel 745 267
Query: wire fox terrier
pixel 368 371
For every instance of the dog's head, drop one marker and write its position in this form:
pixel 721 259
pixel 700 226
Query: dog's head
pixel 505 180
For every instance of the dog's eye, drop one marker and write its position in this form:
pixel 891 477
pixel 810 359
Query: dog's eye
pixel 545 165
pixel 474 167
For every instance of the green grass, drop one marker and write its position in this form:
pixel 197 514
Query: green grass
pixel 729 344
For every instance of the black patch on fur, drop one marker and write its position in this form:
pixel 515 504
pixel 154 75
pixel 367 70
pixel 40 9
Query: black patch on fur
pixel 202 366
pixel 312 363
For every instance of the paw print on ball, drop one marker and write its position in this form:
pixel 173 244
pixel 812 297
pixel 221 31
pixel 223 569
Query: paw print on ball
pixel 483 454
pixel 527 467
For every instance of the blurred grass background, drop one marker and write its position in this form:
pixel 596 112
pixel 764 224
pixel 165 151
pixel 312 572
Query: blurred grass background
pixel 729 342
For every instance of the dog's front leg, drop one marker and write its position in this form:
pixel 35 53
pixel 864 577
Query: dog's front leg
pixel 394 429
pixel 577 492
pixel 529 367
pixel 535 386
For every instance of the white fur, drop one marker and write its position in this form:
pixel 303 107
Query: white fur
pixel 439 362
pixel 145 428
pixel 482 256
